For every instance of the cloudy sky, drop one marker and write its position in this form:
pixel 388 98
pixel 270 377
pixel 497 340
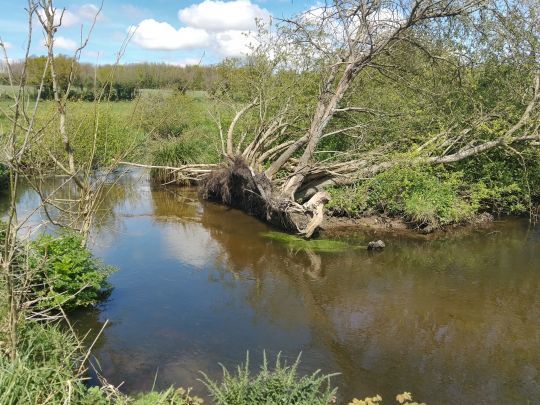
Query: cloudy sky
pixel 170 31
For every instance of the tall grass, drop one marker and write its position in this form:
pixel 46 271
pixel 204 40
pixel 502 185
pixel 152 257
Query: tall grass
pixel 114 126
pixel 44 370
pixel 280 385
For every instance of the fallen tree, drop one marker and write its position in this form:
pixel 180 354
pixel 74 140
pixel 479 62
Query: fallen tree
pixel 271 170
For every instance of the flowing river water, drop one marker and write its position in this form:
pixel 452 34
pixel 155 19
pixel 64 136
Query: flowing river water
pixel 454 319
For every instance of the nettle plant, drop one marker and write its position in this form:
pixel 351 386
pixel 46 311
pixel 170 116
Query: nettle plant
pixel 72 276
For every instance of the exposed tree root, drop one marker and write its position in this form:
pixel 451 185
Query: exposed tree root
pixel 239 186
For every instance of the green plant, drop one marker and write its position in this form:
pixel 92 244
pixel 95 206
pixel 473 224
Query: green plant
pixel 3 178
pixel 71 275
pixel 185 150
pixel 280 386
pixel 419 194
pixel 349 201
pixel 179 396
pixel 44 369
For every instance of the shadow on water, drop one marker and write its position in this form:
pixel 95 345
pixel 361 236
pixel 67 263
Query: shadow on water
pixel 454 320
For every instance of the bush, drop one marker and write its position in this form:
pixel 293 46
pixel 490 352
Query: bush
pixel 71 275
pixel 419 194
pixel 165 115
pixel 503 184
pixel 282 385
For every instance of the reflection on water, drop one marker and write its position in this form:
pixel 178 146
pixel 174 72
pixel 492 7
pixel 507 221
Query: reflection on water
pixel 454 320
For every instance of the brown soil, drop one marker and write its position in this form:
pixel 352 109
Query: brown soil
pixel 379 223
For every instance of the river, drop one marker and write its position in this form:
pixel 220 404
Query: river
pixel 453 319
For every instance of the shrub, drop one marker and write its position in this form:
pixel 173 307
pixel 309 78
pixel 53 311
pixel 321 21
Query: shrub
pixel 72 276
pixel 350 201
pixel 281 385
pixel 166 115
pixel 503 184
pixel 419 194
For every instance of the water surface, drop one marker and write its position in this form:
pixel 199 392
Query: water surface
pixel 453 320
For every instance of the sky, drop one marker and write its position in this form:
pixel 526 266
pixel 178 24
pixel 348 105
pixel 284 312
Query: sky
pixel 179 32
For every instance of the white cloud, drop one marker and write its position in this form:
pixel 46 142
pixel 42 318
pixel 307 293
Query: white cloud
pixel 185 62
pixel 84 13
pixel 224 27
pixel 7 45
pixel 234 43
pixel 88 12
pixel 65 43
pixel 220 16
pixel 152 34
pixel 69 19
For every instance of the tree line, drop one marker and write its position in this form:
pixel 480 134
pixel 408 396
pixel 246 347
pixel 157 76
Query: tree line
pixel 120 82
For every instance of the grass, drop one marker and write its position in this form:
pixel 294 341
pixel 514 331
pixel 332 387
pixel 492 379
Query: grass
pixel 117 132
pixel 46 372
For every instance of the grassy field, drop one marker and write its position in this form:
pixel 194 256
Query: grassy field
pixel 160 126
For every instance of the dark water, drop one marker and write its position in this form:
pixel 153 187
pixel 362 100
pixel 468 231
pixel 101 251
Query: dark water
pixel 453 320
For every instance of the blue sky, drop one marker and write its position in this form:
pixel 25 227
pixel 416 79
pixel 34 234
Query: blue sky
pixel 169 31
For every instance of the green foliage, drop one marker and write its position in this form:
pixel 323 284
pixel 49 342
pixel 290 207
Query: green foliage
pixel 4 178
pixel 72 276
pixel 314 245
pixel 420 195
pixel 44 370
pixel 113 126
pixel 167 114
pixel 416 193
pixel 350 201
pixel 502 184
pixel 280 385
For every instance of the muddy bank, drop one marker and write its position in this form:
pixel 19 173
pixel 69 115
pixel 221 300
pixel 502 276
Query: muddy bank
pixel 338 225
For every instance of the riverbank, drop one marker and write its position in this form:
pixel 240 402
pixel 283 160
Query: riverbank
pixel 333 224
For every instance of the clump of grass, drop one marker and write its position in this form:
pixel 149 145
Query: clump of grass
pixel 280 385
pixel 182 151
pixel 179 396
pixel 47 371
pixel 314 245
